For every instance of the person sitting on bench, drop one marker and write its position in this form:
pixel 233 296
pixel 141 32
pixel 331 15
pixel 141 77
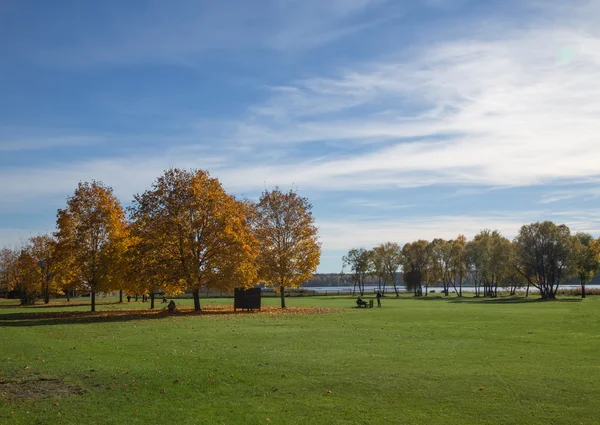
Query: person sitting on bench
pixel 172 307
pixel 360 302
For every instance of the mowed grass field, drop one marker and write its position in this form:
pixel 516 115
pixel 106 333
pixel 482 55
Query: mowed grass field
pixel 413 361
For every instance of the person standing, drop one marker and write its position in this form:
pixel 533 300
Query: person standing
pixel 378 298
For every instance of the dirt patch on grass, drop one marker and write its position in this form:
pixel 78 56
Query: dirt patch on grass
pixel 36 389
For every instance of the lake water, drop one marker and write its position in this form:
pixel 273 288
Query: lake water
pixel 331 290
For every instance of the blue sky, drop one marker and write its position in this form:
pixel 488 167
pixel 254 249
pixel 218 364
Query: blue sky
pixel 399 120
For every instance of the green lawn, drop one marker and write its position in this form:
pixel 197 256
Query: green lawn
pixel 414 361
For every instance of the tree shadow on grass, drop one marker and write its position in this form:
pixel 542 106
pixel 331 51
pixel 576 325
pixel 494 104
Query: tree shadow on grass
pixel 511 300
pixel 430 298
pixel 85 317
pixel 111 316
pixel 79 317
pixel 57 305
pixel 486 300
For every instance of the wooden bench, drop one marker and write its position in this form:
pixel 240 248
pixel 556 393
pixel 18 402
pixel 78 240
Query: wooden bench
pixel 364 303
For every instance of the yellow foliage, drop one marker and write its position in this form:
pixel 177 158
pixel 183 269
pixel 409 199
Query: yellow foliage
pixel 289 247
pixel 190 234
pixel 93 238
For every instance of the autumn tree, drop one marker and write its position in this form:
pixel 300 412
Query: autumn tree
pixel 430 274
pixel 545 256
pixel 441 256
pixel 8 269
pixel 360 262
pixel 501 263
pixel 92 234
pixel 388 259
pixel 17 271
pixel 416 261
pixel 458 263
pixel 489 258
pixel 512 278
pixel 66 276
pixel 43 250
pixel 148 268
pixel 586 261
pixel 196 235
pixel 378 270
pixel 30 270
pixel 290 250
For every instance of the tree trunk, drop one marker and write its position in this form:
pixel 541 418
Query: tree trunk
pixel 136 297
pixel 547 293
pixel 527 291
pixel 67 294
pixel 282 294
pixel 395 289
pixel 196 294
pixel 120 295
pixel 93 300
pixel 582 290
pixel 152 299
pixel 554 291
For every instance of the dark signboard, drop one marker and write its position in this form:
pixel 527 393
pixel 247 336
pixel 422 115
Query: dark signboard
pixel 248 299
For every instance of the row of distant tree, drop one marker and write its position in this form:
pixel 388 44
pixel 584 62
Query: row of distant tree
pixel 543 255
pixel 341 279
pixel 185 233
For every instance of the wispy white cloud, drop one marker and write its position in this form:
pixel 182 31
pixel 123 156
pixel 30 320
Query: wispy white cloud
pixel 517 109
pixel 26 139
pixel 520 108
pixel 379 204
pixel 126 176
pixel 583 193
